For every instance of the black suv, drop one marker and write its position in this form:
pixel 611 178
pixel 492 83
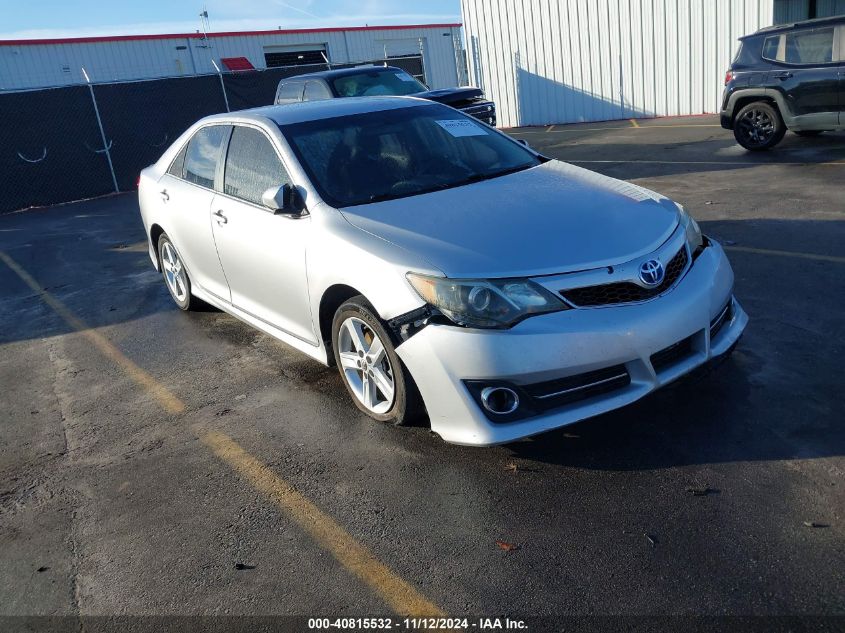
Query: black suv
pixel 365 81
pixel 786 77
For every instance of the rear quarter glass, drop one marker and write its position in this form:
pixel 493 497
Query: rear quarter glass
pixel 750 54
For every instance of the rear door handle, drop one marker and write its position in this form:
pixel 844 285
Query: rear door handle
pixel 784 76
pixel 221 219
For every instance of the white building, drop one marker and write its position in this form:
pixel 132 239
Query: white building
pixel 58 62
pixel 562 61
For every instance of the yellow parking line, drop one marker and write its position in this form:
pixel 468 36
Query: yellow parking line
pixel 550 128
pixel 170 402
pixel 634 123
pixel 403 598
pixel 355 558
pixel 766 251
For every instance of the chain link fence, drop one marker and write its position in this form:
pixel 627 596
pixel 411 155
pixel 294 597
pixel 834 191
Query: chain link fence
pixel 63 144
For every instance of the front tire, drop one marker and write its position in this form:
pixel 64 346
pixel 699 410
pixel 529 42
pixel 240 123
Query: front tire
pixel 175 276
pixel 758 127
pixel 370 369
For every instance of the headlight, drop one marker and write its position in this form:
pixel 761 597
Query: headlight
pixel 694 238
pixel 494 303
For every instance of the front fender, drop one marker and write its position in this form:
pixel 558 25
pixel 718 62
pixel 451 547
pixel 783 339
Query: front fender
pixel 371 265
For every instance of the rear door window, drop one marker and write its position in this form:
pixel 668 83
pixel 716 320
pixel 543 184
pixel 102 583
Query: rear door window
pixel 252 166
pixel 810 47
pixel 203 154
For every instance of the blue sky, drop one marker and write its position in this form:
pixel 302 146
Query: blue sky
pixel 80 18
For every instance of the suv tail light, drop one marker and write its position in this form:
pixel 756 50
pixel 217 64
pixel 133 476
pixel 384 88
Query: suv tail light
pixel 728 77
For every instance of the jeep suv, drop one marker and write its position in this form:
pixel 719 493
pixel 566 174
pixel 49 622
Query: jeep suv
pixel 368 81
pixel 786 77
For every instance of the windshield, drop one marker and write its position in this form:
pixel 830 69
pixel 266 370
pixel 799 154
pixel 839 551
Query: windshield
pixel 377 82
pixel 376 156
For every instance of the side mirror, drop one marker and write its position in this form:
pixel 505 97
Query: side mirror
pixel 523 142
pixel 284 200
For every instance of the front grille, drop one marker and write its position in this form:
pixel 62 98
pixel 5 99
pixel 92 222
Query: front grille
pixel 719 322
pixel 671 354
pixel 626 291
pixel 555 393
pixel 484 112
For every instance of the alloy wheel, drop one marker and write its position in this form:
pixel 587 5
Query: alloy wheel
pixel 174 272
pixel 366 365
pixel 756 127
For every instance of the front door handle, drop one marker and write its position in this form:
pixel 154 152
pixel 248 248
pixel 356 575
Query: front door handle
pixel 783 76
pixel 221 219
pixel 164 195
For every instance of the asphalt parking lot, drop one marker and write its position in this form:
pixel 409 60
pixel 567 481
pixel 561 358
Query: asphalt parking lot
pixel 157 462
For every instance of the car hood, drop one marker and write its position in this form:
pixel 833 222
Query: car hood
pixel 452 96
pixel 553 218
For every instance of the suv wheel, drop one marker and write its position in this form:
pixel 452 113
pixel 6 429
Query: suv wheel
pixel 758 126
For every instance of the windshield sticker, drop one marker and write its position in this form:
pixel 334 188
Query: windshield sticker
pixel 461 127
pixel 405 77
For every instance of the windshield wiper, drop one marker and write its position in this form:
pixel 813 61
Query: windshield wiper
pixel 505 172
pixel 381 197
pixel 496 174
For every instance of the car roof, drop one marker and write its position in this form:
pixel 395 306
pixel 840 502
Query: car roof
pixel 343 72
pixel 315 110
pixel 785 28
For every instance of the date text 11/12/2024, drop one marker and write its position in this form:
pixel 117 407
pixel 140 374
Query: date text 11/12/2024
pixel 417 624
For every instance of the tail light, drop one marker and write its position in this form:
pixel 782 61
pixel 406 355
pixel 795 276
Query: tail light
pixel 729 77
pixel 138 183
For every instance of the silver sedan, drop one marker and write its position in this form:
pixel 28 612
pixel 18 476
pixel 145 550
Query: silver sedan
pixel 445 268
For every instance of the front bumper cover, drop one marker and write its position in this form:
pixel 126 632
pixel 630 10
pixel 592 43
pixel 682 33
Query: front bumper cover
pixel 552 347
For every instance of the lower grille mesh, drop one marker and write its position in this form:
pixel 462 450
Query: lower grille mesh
pixel 719 322
pixel 555 393
pixel 671 354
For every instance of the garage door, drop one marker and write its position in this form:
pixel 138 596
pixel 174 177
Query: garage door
pixel 297 55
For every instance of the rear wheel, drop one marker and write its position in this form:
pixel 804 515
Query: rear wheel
pixel 373 375
pixel 808 133
pixel 758 127
pixel 175 276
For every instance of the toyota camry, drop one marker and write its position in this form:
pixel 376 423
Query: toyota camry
pixel 443 267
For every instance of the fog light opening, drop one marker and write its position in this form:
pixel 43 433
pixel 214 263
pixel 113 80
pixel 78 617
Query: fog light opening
pixel 500 400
